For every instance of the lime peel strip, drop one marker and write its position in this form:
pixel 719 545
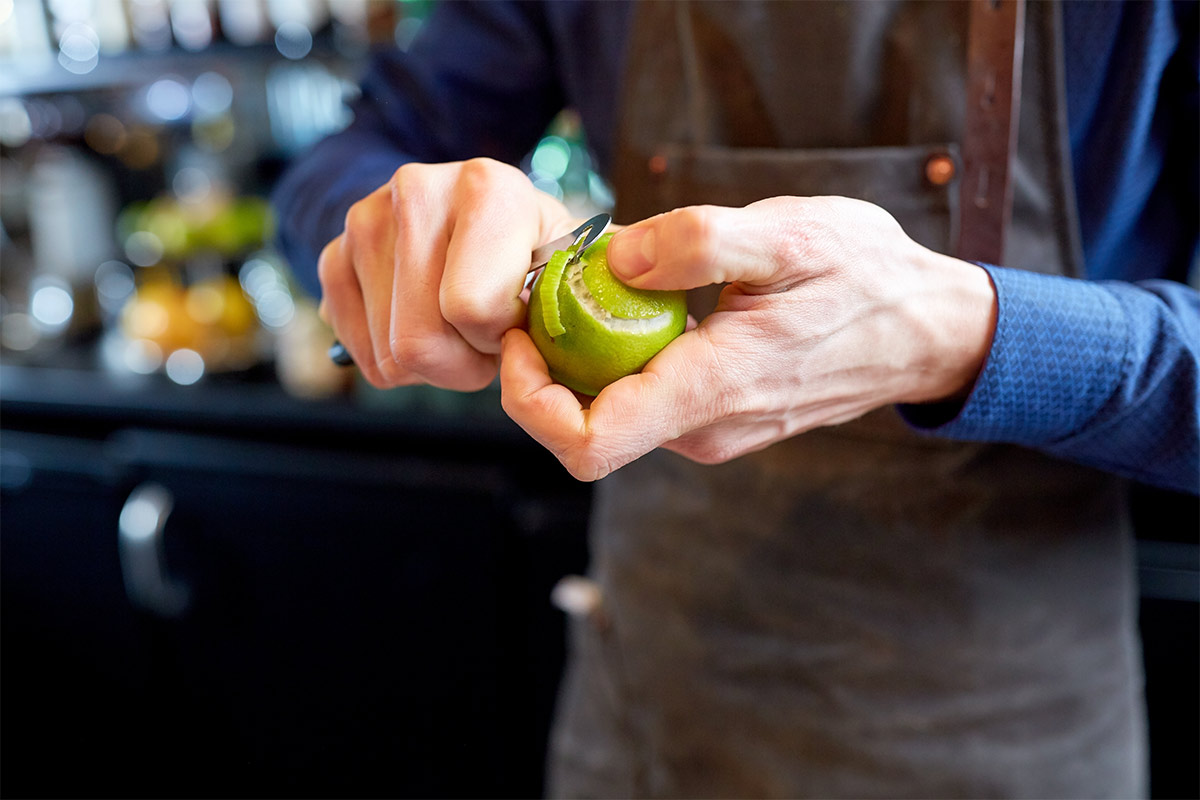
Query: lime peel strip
pixel 548 292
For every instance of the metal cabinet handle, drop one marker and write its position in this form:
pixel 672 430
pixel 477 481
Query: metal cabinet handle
pixel 143 560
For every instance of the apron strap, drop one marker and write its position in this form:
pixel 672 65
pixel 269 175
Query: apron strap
pixel 995 42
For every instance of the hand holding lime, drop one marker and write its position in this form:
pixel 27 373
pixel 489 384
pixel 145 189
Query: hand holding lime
pixel 592 329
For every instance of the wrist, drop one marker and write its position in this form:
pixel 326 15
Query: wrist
pixel 956 323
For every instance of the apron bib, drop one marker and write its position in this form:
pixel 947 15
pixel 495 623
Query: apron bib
pixel 858 610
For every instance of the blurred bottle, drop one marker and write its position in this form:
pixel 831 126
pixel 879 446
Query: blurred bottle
pixel 24 37
pixel 243 22
pixel 561 166
pixel 111 25
pixel 193 23
pixel 72 208
pixel 351 35
pixel 150 23
pixel 86 28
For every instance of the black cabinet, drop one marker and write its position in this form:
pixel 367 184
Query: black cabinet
pixel 1168 525
pixel 356 612
pixel 343 601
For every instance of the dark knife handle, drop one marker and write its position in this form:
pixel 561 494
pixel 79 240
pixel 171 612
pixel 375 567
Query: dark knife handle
pixel 339 355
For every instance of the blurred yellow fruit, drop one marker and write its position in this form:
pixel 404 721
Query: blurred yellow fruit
pixel 157 312
pixel 221 302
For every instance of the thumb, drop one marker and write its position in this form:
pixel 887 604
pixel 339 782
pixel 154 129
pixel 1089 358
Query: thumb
pixel 697 246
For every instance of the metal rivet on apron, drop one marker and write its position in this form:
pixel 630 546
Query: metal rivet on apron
pixel 657 164
pixel 940 169
pixel 580 597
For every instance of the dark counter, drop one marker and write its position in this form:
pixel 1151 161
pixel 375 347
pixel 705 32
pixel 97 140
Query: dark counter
pixel 366 589
pixel 367 585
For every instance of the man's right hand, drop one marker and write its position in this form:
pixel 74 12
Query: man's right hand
pixel 427 275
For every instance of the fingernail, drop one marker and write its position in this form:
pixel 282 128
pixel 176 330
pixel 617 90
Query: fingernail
pixel 633 251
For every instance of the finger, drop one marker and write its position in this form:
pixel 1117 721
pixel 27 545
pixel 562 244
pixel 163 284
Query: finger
pixel 343 307
pixel 589 446
pixel 673 394
pixel 419 340
pixel 625 421
pixel 702 245
pixel 370 241
pixel 497 224
pixel 547 411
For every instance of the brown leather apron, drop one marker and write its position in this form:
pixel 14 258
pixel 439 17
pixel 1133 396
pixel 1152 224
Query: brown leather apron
pixel 859 610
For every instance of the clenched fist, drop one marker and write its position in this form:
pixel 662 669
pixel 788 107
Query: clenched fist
pixel 427 275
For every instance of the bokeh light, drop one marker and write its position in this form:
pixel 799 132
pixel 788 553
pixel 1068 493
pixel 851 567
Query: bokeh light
pixel 143 248
pixel 51 304
pixel 293 40
pixel 114 285
pixel 79 48
pixel 168 99
pixel 212 93
pixel 185 366
pixel 105 134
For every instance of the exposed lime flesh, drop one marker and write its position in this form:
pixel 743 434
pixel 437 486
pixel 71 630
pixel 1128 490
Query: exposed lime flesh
pixel 547 292
pixel 592 329
pixel 618 299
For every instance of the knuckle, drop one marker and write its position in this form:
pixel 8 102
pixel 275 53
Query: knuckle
pixel 588 462
pixel 417 353
pixel 408 175
pixel 392 375
pixel 600 450
pixel 477 175
pixel 707 449
pixel 785 252
pixel 475 379
pixel 404 174
pixel 335 272
pixel 374 375
pixel 466 310
pixel 483 170
pixel 411 183
pixel 485 176
pixel 718 453
pixel 512 404
pixel 521 405
pixel 360 221
pixel 800 239
pixel 691 233
pixel 329 266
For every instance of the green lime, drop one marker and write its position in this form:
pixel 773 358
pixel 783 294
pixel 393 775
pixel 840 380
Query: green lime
pixel 591 328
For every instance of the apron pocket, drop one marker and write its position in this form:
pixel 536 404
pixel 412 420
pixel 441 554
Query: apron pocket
pixel 917 184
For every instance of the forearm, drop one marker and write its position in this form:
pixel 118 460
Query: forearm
pixel 1101 373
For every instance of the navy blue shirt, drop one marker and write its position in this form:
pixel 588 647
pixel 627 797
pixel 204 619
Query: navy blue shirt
pixel 1118 391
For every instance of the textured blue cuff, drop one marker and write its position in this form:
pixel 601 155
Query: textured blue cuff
pixel 1056 359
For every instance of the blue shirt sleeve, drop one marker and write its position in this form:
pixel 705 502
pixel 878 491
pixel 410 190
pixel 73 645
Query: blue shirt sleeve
pixel 1102 373
pixel 410 109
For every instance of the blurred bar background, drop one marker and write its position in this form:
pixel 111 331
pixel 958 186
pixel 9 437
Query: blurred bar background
pixel 229 567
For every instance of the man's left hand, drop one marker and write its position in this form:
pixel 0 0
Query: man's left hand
pixel 830 311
